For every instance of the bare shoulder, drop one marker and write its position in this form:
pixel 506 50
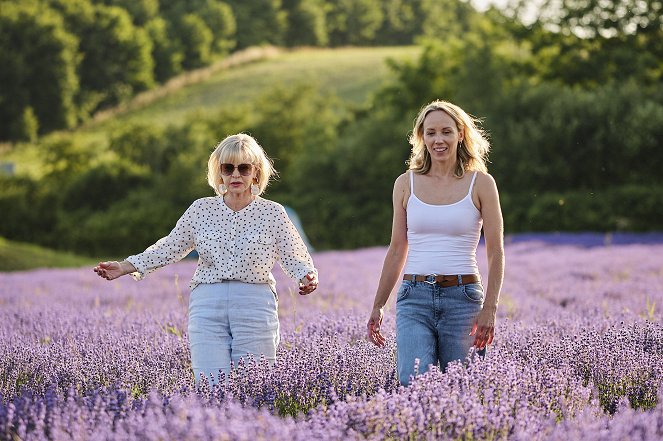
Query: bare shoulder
pixel 485 182
pixel 402 182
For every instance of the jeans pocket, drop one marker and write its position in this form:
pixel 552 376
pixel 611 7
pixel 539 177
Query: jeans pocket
pixel 404 290
pixel 473 292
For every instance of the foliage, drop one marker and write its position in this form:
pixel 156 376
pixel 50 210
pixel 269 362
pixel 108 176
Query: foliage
pixel 36 49
pixel 306 25
pixel 354 22
pixel 259 22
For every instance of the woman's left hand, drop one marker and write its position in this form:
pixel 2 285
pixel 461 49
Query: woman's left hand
pixel 308 284
pixel 483 328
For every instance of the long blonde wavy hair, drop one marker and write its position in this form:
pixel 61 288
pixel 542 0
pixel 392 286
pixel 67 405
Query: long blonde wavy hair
pixel 472 151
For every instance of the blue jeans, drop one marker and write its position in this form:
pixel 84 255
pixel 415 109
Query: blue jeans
pixel 433 325
pixel 228 321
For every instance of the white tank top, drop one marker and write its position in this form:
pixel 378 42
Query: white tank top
pixel 442 239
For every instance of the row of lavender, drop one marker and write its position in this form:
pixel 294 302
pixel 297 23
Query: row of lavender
pixel 579 355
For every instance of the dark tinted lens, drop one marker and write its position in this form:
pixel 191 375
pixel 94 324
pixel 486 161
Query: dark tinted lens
pixel 244 169
pixel 227 169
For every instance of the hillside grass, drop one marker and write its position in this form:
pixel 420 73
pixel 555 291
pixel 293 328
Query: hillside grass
pixel 351 73
pixel 17 256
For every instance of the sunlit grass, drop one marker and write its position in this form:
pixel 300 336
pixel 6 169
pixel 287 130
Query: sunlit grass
pixel 17 256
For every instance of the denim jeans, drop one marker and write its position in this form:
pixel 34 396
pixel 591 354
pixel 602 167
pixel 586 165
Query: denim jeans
pixel 433 325
pixel 228 321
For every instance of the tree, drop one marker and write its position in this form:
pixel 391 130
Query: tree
pixel 39 60
pixel 141 11
pixel 306 24
pixel 116 55
pixel 259 22
pixel 166 51
pixel 354 22
pixel 196 40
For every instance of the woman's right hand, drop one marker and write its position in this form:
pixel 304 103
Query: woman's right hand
pixel 373 328
pixel 113 270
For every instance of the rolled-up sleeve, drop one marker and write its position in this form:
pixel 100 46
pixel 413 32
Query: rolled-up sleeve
pixel 171 248
pixel 293 256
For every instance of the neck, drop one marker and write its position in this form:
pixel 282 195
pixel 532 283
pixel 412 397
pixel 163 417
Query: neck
pixel 445 169
pixel 236 201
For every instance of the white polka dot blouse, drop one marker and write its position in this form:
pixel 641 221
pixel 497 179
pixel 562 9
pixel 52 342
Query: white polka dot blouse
pixel 232 245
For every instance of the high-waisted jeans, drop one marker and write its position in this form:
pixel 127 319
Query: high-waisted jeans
pixel 433 325
pixel 228 321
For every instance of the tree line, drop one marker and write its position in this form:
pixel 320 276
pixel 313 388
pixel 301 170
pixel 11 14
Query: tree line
pixel 63 60
pixel 575 131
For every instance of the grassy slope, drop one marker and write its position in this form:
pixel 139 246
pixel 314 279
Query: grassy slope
pixel 351 73
pixel 16 256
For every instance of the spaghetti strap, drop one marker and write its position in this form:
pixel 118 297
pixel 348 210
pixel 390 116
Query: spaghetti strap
pixel 469 193
pixel 411 182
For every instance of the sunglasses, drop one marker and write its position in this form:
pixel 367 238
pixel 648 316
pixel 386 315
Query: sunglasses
pixel 243 169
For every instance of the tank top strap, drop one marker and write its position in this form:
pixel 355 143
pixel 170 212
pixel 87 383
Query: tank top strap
pixel 474 177
pixel 411 182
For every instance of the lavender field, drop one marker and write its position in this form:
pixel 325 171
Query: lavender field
pixel 578 356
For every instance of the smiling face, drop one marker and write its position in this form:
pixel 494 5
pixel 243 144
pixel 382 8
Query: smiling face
pixel 441 136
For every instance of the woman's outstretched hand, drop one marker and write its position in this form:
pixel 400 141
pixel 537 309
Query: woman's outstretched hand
pixel 308 284
pixel 483 328
pixel 113 270
pixel 373 328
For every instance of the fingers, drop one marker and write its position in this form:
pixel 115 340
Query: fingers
pixel 474 328
pixel 484 336
pixel 105 270
pixel 309 284
pixel 374 334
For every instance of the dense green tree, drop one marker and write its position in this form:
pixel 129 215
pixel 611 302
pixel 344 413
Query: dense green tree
pixel 258 22
pixel 354 22
pixel 141 11
pixel 116 55
pixel 402 21
pixel 166 51
pixel 196 40
pixel 39 60
pixel 220 19
pixel 306 25
pixel 217 16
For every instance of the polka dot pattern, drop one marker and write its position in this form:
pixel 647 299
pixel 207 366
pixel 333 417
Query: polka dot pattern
pixel 232 245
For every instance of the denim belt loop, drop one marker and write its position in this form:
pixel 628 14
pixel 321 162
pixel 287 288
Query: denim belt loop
pixel 460 280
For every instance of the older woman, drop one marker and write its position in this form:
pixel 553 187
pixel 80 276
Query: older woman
pixel 239 237
pixel 440 207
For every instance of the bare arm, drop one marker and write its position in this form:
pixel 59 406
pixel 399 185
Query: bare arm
pixel 493 230
pixel 393 261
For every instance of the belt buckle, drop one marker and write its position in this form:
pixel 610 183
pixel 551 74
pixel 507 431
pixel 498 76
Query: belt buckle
pixel 430 279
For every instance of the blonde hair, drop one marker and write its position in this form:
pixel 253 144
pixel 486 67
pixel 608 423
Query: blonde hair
pixel 236 149
pixel 472 151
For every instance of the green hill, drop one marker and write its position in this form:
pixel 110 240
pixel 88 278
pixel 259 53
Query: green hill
pixel 17 256
pixel 351 73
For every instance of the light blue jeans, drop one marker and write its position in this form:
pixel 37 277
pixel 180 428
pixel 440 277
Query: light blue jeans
pixel 433 325
pixel 228 321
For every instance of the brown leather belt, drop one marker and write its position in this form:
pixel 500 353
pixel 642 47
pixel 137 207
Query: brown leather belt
pixel 443 281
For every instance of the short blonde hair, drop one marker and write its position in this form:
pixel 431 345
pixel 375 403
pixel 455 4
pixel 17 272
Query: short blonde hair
pixel 472 152
pixel 237 149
